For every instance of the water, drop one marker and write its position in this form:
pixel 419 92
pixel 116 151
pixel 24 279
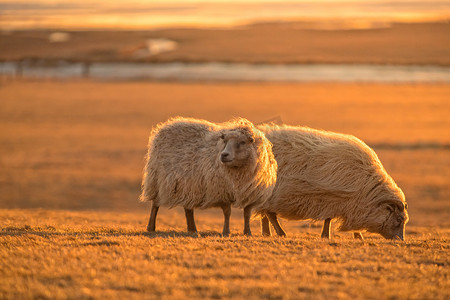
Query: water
pixel 144 14
pixel 234 72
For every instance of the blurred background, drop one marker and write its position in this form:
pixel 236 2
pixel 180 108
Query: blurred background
pixel 140 14
pixel 83 82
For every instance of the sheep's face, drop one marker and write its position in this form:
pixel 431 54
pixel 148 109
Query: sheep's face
pixel 237 149
pixel 392 218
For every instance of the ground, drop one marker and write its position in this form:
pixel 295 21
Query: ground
pixel 71 157
pixel 83 255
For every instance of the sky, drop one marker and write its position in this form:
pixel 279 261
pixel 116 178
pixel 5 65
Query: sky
pixel 145 14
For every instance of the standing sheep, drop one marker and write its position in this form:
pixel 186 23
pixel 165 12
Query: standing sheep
pixel 324 175
pixel 197 164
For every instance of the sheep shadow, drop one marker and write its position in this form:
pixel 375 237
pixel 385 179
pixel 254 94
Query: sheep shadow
pixel 179 234
pixel 50 231
pixel 47 231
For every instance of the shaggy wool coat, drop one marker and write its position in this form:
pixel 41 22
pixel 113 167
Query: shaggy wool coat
pixel 325 175
pixel 183 166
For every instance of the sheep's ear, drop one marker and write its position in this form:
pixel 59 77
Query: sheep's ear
pixel 251 140
pixel 222 136
pixel 391 205
pixel 401 206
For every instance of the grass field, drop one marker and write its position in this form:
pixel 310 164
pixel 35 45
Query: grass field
pixel 80 145
pixel 71 155
pixel 83 255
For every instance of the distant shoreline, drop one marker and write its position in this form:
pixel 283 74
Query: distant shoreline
pixel 264 43
pixel 327 24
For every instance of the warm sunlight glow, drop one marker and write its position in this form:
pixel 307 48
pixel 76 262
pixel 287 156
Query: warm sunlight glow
pixel 120 14
pixel 302 150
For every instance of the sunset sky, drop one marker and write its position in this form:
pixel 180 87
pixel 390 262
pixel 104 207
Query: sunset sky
pixel 156 14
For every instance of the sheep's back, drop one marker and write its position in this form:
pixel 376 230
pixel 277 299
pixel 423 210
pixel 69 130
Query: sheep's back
pixel 319 171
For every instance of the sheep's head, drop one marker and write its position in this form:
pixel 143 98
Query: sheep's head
pixel 394 225
pixel 237 148
pixel 389 219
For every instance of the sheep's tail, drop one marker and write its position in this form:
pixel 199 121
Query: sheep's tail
pixel 145 185
pixel 149 191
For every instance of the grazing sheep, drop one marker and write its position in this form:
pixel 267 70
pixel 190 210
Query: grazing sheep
pixel 197 164
pixel 324 175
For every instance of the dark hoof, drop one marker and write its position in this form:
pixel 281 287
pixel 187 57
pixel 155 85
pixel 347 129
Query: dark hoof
pixel 194 234
pixel 281 232
pixel 358 236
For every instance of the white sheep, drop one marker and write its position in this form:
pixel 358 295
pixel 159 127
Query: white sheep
pixel 198 164
pixel 324 175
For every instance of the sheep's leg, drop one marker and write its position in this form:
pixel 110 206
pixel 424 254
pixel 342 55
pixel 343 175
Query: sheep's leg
pixel 247 215
pixel 151 227
pixel 226 219
pixel 326 229
pixel 190 220
pixel 265 226
pixel 273 219
pixel 358 236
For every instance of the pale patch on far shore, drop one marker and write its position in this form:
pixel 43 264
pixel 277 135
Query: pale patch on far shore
pixel 58 37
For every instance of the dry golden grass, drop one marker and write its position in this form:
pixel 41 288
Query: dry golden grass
pixel 84 255
pixel 80 145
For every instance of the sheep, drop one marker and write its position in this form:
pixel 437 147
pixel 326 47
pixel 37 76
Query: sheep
pixel 198 164
pixel 324 175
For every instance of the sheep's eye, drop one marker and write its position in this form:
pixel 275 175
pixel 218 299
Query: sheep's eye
pixel 242 143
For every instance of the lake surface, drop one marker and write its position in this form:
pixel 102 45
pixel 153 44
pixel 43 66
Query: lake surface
pixel 233 72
